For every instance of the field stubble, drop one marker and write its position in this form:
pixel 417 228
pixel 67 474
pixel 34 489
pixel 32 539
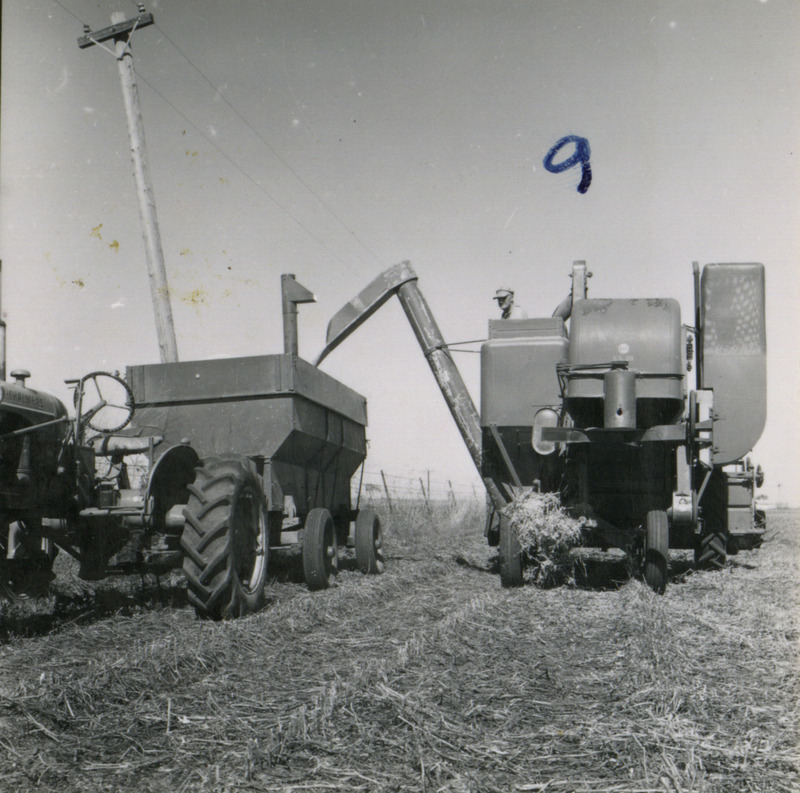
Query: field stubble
pixel 427 678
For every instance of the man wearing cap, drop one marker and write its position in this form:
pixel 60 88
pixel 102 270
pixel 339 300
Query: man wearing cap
pixel 505 302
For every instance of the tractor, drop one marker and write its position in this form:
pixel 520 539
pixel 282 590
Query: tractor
pixel 200 465
pixel 638 422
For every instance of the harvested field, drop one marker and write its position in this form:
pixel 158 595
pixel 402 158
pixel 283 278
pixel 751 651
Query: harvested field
pixel 427 678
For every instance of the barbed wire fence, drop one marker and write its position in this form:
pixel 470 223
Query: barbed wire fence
pixel 387 491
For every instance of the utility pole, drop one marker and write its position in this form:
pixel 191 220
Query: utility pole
pixel 121 31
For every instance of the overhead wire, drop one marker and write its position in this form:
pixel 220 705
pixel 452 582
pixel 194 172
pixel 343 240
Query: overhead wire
pixel 239 168
pixel 64 8
pixel 244 173
pixel 263 140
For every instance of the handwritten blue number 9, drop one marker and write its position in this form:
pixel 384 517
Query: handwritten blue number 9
pixel 580 155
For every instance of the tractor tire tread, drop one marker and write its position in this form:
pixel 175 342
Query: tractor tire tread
pixel 211 563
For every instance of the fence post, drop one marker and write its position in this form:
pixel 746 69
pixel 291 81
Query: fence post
pixel 386 490
pixel 425 497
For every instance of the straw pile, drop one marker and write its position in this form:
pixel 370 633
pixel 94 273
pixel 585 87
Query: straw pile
pixel 547 536
pixel 428 678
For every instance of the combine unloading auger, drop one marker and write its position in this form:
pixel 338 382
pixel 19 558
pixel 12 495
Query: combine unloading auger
pixel 401 280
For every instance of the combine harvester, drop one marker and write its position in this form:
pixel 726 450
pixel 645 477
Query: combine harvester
pixel 639 423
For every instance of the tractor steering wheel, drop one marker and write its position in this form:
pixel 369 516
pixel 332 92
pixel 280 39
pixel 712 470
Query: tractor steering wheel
pixel 111 401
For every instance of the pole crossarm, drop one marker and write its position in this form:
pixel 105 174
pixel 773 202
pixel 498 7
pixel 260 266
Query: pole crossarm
pixel 116 31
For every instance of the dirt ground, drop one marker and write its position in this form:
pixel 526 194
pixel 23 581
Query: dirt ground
pixel 429 677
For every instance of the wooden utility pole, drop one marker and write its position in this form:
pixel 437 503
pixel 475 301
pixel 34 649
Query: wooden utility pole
pixel 120 31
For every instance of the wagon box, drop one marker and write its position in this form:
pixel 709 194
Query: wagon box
pixel 306 429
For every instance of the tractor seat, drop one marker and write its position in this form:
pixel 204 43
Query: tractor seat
pixel 110 445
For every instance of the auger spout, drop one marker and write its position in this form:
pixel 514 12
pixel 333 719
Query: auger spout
pixel 402 281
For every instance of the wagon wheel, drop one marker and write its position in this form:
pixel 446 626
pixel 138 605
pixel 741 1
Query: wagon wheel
pixel 104 401
pixel 320 549
pixel 27 576
pixel 369 542
pixel 656 550
pixel 510 554
pixel 225 540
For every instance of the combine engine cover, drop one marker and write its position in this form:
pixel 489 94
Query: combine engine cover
pixel 625 363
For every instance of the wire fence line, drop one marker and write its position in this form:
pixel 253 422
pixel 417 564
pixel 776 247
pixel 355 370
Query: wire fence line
pixel 379 488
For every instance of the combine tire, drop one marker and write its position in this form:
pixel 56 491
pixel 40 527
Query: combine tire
pixel 656 550
pixel 225 540
pixel 320 550
pixel 510 555
pixel 369 542
pixel 710 551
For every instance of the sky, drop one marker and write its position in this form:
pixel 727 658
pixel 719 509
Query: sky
pixel 334 138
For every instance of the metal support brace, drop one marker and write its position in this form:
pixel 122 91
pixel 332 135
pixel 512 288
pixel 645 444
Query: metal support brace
pixel 506 456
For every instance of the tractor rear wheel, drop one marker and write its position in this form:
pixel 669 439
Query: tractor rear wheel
pixel 369 542
pixel 320 549
pixel 225 540
pixel 510 555
pixel 656 550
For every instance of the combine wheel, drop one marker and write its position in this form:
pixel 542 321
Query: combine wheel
pixel 656 550
pixel 320 549
pixel 510 555
pixel 710 551
pixel 369 542
pixel 225 540
pixel 711 546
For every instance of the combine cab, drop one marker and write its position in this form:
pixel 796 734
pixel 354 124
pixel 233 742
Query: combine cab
pixel 637 421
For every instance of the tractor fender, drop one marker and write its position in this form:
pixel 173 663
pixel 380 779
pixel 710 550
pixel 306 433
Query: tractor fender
pixel 167 485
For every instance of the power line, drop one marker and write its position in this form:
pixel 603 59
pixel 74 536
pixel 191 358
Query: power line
pixel 269 146
pixel 64 8
pixel 245 173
